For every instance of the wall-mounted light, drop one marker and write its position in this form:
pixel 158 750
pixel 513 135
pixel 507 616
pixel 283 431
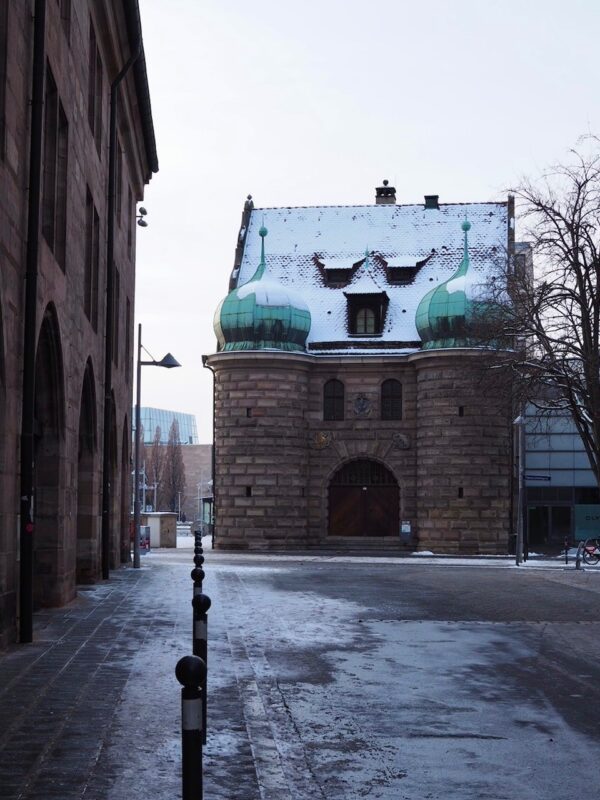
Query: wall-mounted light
pixel 140 217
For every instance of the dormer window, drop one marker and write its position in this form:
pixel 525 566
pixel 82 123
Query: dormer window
pixel 401 270
pixel 366 313
pixel 337 270
pixel 365 321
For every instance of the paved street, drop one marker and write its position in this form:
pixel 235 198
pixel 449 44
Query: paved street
pixel 329 677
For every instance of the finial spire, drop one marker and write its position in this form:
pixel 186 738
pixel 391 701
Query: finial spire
pixel 262 233
pixel 466 226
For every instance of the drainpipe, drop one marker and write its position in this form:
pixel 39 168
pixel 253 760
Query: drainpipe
pixel 30 324
pixel 109 328
pixel 213 456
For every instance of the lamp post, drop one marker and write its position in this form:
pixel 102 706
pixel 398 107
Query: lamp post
pixel 201 502
pixel 168 362
pixel 519 422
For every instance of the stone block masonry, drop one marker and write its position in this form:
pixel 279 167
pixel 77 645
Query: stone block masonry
pixel 276 455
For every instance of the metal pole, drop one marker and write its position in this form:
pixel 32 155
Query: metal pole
pixel 26 520
pixel 201 514
pixel 519 544
pixel 144 486
pixel 190 672
pixel 107 489
pixel 136 504
pixel 580 547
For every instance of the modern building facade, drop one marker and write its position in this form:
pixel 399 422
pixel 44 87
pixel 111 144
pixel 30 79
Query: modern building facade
pixel 153 418
pixel 348 402
pixel 67 281
pixel 561 494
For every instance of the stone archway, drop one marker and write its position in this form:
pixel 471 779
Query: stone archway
pixel 7 525
pixel 364 500
pixel 50 556
pixel 115 489
pixel 88 543
pixel 125 494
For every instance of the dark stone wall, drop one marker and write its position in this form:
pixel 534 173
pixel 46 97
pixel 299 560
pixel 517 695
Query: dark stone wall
pixel 59 554
pixel 463 465
pixel 361 434
pixel 261 451
pixel 452 466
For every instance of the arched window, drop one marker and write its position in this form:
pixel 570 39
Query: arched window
pixel 391 399
pixel 333 400
pixel 365 320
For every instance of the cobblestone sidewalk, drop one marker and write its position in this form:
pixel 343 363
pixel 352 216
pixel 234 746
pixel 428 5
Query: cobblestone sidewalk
pixel 92 708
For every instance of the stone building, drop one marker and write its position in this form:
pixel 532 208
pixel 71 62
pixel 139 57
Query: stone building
pixel 67 279
pixel 197 501
pixel 349 406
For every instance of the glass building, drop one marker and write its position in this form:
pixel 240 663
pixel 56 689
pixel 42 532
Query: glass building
pixel 560 488
pixel 153 418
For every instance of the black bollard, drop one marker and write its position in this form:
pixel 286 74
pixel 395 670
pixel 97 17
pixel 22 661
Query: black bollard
pixel 201 603
pixel 191 673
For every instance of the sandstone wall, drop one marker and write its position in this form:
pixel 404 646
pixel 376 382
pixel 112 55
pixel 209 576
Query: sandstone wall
pixel 463 457
pixel 261 450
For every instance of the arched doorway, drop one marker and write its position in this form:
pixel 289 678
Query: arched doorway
pixel 125 494
pixel 115 489
pixel 50 564
pixel 88 545
pixel 364 500
pixel 6 613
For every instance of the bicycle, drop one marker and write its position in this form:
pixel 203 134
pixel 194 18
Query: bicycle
pixel 591 551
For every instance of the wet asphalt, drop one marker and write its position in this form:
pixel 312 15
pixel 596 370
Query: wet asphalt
pixel 329 677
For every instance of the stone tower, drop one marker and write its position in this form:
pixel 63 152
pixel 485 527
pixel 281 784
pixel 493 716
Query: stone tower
pixel 261 390
pixel 463 436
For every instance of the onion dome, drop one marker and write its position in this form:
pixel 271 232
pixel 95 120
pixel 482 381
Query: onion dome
pixel 447 315
pixel 262 315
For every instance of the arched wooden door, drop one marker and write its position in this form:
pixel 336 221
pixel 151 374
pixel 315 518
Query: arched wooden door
pixel 364 500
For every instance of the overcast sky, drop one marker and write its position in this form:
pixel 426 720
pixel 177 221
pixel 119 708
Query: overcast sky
pixel 314 103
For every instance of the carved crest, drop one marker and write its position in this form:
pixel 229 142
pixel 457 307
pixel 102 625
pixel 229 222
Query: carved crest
pixel 400 441
pixel 321 440
pixel 362 406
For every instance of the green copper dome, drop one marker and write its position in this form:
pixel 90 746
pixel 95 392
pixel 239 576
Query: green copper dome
pixel 447 314
pixel 262 315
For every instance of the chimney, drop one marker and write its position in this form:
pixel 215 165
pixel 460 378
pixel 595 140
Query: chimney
pixel 432 201
pixel 385 195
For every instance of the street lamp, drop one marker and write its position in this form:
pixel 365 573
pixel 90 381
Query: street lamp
pixel 519 423
pixel 169 362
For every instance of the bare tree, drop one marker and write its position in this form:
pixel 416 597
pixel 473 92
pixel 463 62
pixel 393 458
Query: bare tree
pixel 141 477
pixel 550 316
pixel 155 467
pixel 173 483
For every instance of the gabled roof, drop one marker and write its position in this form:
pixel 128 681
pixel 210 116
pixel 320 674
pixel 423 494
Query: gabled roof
pixel 301 239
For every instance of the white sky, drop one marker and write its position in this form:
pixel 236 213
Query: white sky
pixel 314 103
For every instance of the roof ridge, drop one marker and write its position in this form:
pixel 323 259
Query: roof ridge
pixel 395 205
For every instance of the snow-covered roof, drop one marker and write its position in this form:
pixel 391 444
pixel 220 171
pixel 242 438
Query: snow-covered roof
pixel 303 243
